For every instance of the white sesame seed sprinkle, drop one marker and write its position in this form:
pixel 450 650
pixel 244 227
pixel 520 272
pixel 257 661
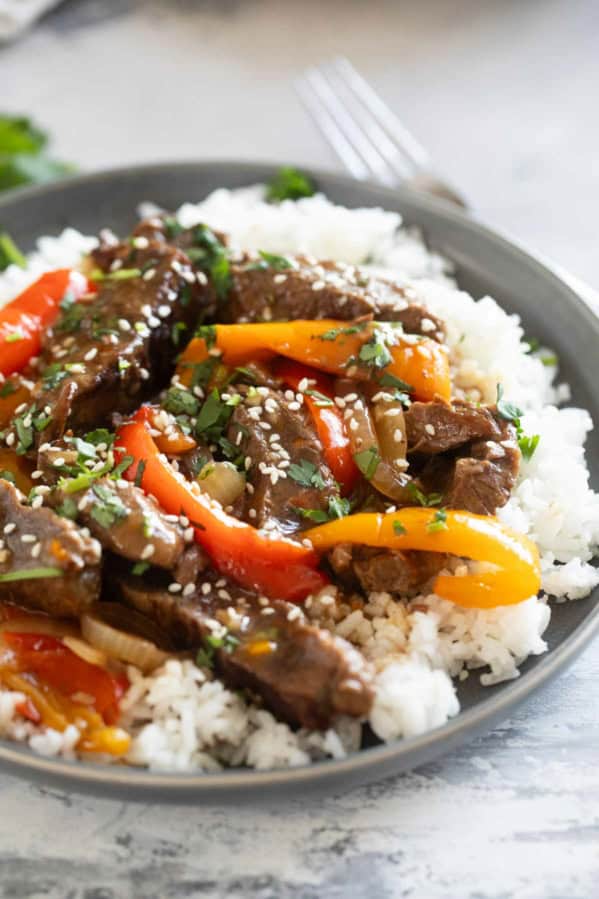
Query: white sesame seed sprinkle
pixel 91 354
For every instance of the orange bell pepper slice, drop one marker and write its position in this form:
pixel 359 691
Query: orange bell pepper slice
pixel 23 320
pixel 478 537
pixel 420 362
pixel 274 566
pixel 327 419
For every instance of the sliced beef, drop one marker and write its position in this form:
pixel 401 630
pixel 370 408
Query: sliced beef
pixel 34 539
pixel 118 347
pixel 125 521
pixel 483 481
pixel 304 674
pixel 301 288
pixel 467 453
pixel 274 438
pixel 378 570
pixel 437 427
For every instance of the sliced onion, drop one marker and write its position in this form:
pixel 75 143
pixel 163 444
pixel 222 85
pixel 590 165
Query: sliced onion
pixel 221 481
pixel 387 477
pixel 390 428
pixel 40 624
pixel 120 645
pixel 85 651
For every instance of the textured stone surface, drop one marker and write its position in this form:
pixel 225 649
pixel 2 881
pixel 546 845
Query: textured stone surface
pixel 504 95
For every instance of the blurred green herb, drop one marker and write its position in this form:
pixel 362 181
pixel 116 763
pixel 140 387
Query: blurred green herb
pixel 23 159
pixel 289 184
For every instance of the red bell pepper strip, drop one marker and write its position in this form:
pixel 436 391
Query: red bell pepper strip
pixel 274 566
pixel 24 318
pixel 58 667
pixel 328 420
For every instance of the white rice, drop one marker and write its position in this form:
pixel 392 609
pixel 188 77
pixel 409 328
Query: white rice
pixel 180 718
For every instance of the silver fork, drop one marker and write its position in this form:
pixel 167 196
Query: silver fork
pixel 367 136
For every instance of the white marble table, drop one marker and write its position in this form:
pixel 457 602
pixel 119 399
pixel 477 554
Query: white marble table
pixel 504 94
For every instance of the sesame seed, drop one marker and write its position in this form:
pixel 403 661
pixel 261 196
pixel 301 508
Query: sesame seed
pixel 252 513
pixel 58 462
pixel 164 311
pixel 9 528
pixel 397 435
pixel 28 538
pixel 430 429
pixel 293 613
pixel 124 325
pixel 221 582
pixel 295 406
pixel 10 439
pixel 268 611
pixel 20 408
pixel 318 285
pixel 188 589
pixel 174 588
pixel 353 425
pixel 36 475
pixel 91 354
pixel 36 550
pixel 147 276
pixel 148 551
pixel 206 588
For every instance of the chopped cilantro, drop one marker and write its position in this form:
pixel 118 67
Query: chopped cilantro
pixel 528 445
pixel 289 184
pixel 52 375
pixel 139 473
pixel 177 331
pixel 100 436
pixel 118 470
pixel 398 528
pixel 334 333
pixel 271 260
pixel 507 411
pixel 375 351
pixel 306 474
pixel 433 499
pixel 389 380
pixel 214 416
pixel 140 568
pixel 549 359
pixel 68 508
pixel 9 252
pixel 109 507
pixel 368 462
pixel 319 398
pixel 336 508
pixel 71 315
pixel 210 254
pixel 6 475
pixel 180 402
pixel 14 336
pixel 172 228
pixel 208 334
pixel 438 523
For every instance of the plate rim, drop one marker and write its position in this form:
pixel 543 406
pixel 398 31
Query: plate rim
pixel 19 759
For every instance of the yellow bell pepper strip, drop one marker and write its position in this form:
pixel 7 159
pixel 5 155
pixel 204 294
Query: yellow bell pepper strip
pixel 274 566
pixel 331 346
pixel 479 537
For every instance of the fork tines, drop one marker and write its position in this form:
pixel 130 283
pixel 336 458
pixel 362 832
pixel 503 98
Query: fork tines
pixel 363 131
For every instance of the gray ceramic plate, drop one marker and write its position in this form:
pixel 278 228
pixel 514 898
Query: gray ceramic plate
pixel 486 263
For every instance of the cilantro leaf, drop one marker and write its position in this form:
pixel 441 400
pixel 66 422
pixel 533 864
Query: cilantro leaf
pixel 9 252
pixel 289 184
pixel 368 462
pixel 433 499
pixel 306 474
pixel 19 135
pixel 507 411
pixel 438 523
pixel 528 445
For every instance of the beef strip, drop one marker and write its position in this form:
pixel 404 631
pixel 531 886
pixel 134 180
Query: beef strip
pixel 482 482
pixel 380 570
pixel 37 539
pixel 437 427
pixel 304 674
pixel 276 494
pixel 125 521
pixel 119 349
pixel 308 289
pixel 470 454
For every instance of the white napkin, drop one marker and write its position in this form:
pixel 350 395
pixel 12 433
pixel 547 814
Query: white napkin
pixel 16 15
